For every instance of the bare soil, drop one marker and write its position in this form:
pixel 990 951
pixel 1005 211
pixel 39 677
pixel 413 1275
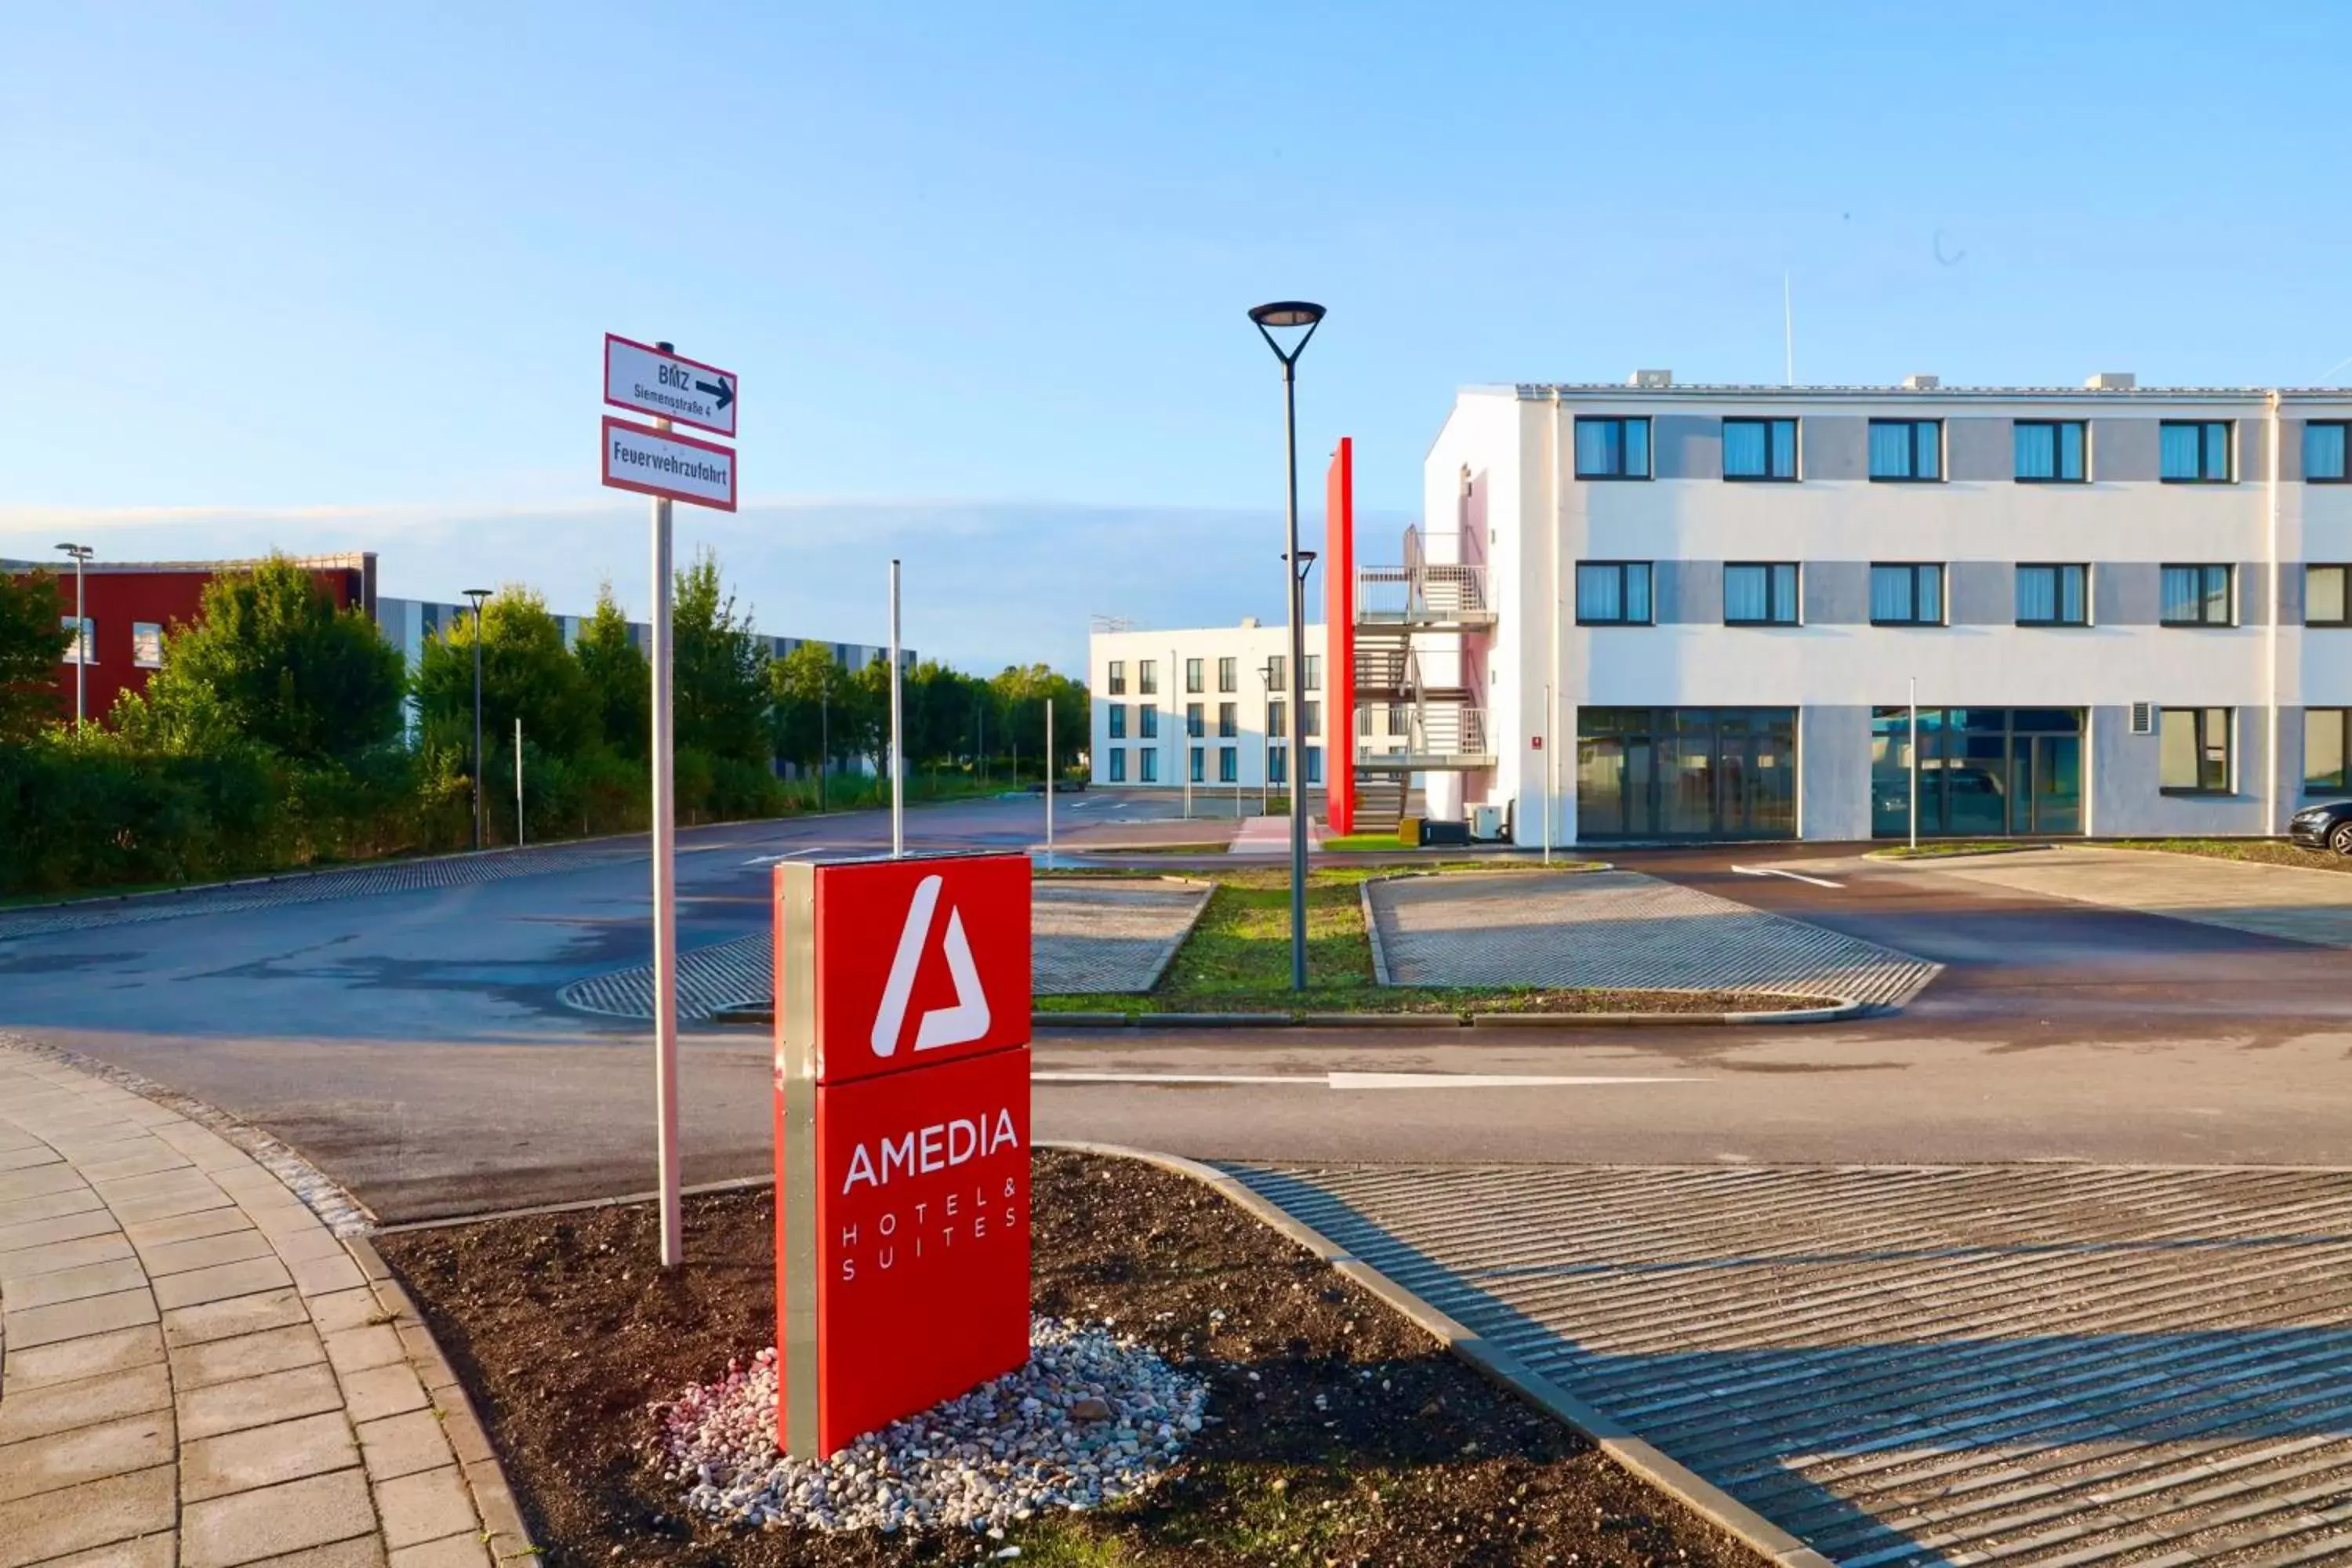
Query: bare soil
pixel 1349 1436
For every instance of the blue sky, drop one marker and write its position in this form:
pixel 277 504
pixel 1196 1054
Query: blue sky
pixel 332 276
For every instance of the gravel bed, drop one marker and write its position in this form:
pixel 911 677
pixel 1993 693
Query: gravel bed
pixel 1093 1418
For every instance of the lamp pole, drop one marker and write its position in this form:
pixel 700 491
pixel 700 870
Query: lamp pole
pixel 477 596
pixel 1290 314
pixel 81 555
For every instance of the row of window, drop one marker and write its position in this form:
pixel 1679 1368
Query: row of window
pixel 146 643
pixel 1911 593
pixel 1147 720
pixel 1147 765
pixel 1274 672
pixel 2045 451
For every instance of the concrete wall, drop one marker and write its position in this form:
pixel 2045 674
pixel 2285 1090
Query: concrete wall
pixel 1834 771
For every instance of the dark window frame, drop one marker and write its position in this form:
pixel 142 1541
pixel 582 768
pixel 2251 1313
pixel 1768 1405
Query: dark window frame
pixel 1649 450
pixel 2204 476
pixel 1228 680
pixel 2058 449
pixel 1651 597
pixel 2229 595
pixel 1943 593
pixel 1194 677
pixel 1229 722
pixel 2228 751
pixel 1915 476
pixel 1795 618
pixel 1796 451
pixel 1117 773
pixel 1115 722
pixel 2056 597
pixel 1115 678
pixel 2343 425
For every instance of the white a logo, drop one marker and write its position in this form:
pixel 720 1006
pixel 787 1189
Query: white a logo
pixel 968 1019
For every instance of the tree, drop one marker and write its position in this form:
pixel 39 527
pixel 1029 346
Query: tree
pixel 619 679
pixel 32 642
pixel 527 674
pixel 1022 695
pixel 271 653
pixel 804 687
pixel 719 673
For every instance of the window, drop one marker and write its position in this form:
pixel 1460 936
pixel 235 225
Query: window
pixel 1310 666
pixel 1119 764
pixel 147 645
pixel 1613 449
pixel 1117 729
pixel 2050 452
pixel 2196 596
pixel 1275 720
pixel 1310 719
pixel 1228 765
pixel 2195 747
pixel 1759 593
pixel 1315 764
pixel 1398 722
pixel 1612 593
pixel 1199 765
pixel 1278 671
pixel 1225 674
pixel 2053 596
pixel 2195 452
pixel 2326 732
pixel 1227 725
pixel 2324 454
pixel 1363 721
pixel 1906 448
pixel 1191 674
pixel 1759 448
pixel 1117 681
pixel 2323 601
pixel 1150 717
pixel 1147 677
pixel 1193 724
pixel 1906 594
pixel 1278 765
pixel 82 649
pixel 1147 766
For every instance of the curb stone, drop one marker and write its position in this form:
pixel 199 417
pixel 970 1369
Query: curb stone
pixel 1499 1365
pixel 1833 1010
pixel 504 1533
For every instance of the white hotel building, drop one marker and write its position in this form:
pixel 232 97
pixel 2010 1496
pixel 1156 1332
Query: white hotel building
pixel 1205 706
pixel 2124 609
pixel 1661 612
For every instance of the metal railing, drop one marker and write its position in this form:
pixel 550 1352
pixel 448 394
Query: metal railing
pixel 1433 730
pixel 1420 592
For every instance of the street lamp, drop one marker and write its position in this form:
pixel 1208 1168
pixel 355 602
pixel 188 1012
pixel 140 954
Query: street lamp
pixel 81 555
pixel 1290 315
pixel 477 596
pixel 1267 678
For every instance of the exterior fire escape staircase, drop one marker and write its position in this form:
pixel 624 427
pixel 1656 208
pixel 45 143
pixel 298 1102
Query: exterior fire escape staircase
pixel 1407 616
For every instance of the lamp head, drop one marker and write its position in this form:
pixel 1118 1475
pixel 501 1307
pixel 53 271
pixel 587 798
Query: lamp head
pixel 477 594
pixel 1300 316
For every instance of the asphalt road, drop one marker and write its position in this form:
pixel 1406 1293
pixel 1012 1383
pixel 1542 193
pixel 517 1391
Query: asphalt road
pixel 411 1043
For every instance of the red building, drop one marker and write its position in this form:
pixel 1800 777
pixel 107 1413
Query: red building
pixel 132 605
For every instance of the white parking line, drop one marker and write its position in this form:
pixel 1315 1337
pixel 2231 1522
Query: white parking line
pixel 1793 876
pixel 1352 1080
pixel 787 854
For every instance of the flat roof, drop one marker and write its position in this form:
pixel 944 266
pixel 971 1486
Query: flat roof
pixel 1771 392
pixel 351 560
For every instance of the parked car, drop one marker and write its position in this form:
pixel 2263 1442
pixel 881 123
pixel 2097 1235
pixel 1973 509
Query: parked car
pixel 2326 826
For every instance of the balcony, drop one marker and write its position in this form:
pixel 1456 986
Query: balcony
pixel 1439 736
pixel 1422 596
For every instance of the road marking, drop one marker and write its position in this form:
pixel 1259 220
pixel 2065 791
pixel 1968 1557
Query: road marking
pixel 1352 1080
pixel 1793 876
pixel 787 854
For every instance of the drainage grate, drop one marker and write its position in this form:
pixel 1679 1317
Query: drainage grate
pixel 2035 1364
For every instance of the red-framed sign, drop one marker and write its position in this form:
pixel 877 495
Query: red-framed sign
pixel 663 463
pixel 644 380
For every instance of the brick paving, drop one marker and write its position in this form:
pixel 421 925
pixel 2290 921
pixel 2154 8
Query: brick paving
pixel 193 1369
pixel 1093 937
pixel 2046 1365
pixel 1619 930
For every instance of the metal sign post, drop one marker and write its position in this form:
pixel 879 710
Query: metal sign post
pixel 898 732
pixel 518 833
pixel 1049 774
pixel 656 462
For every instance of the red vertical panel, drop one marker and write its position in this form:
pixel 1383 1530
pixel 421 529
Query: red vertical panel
pixel 1340 627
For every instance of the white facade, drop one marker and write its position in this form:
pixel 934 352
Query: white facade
pixel 1677 723
pixel 1173 708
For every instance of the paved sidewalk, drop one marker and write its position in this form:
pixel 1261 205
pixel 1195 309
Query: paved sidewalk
pixel 193 1369
pixel 1271 836
pixel 1619 930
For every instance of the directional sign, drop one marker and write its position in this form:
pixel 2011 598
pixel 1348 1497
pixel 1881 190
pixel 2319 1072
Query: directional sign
pixel 640 376
pixel 659 463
